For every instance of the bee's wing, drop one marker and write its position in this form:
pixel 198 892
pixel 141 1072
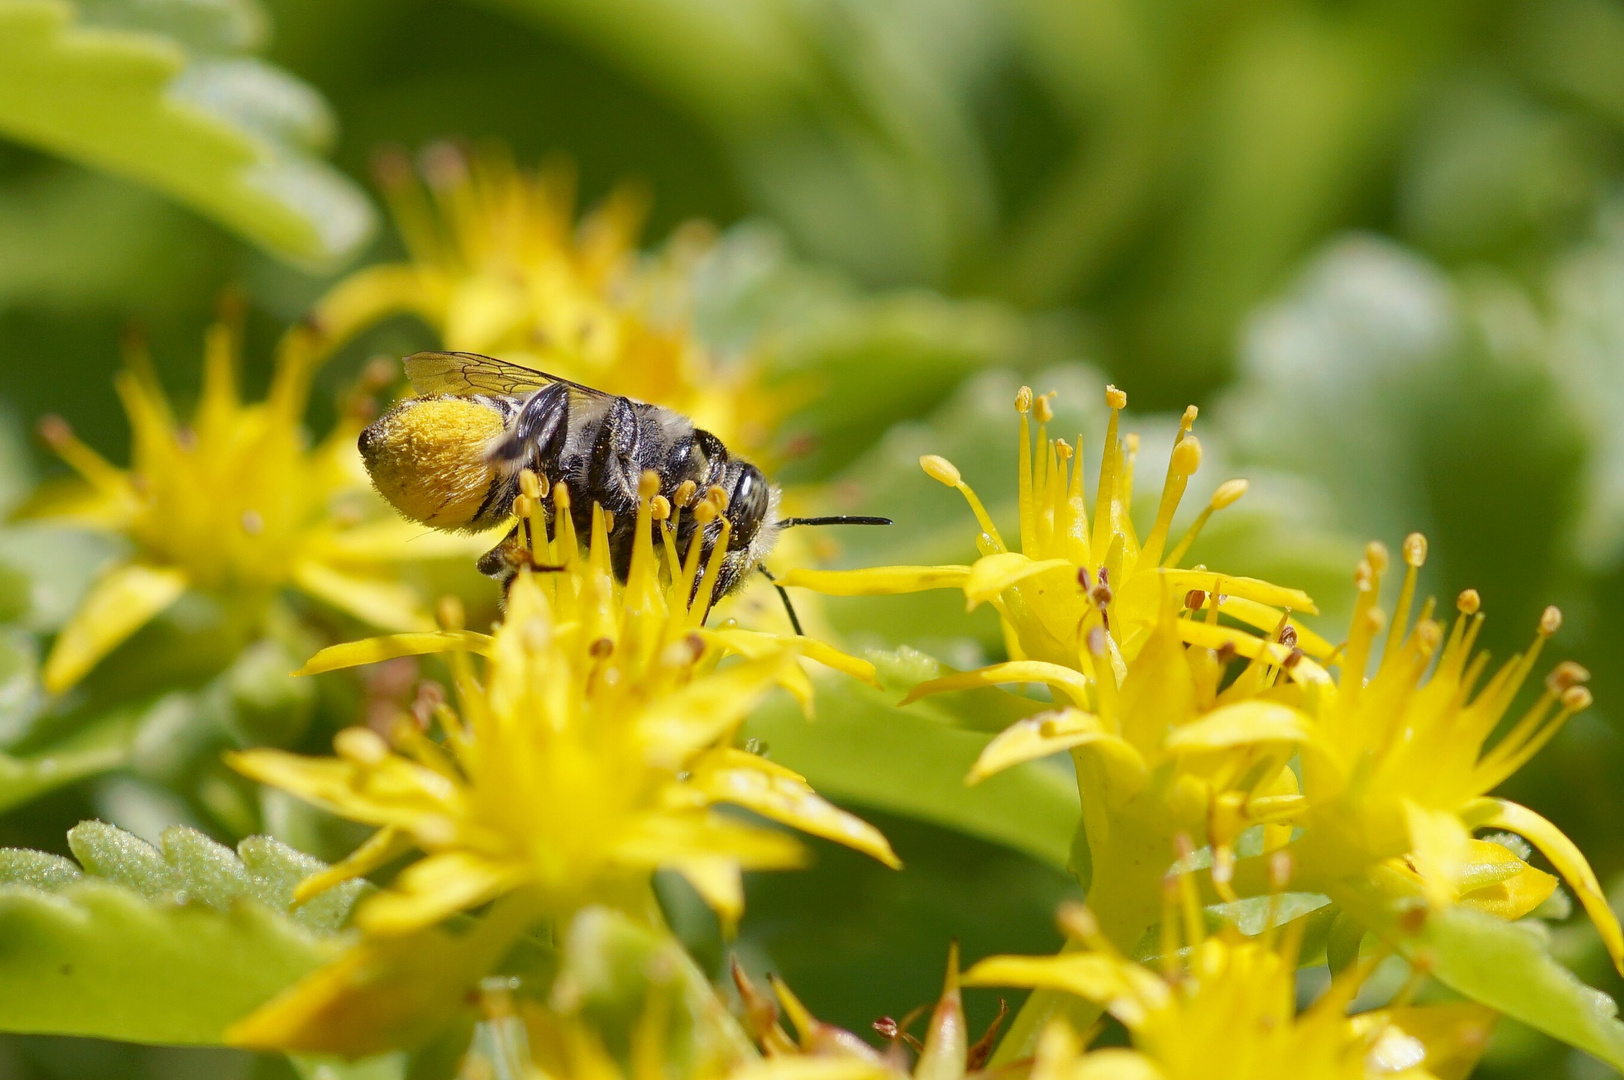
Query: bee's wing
pixel 465 373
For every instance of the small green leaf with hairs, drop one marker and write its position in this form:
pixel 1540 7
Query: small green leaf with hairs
pixel 166 944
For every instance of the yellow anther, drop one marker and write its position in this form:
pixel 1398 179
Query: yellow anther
pixel 361 745
pixel 1229 492
pixel 1187 456
pixel 941 470
pixel 1115 399
pixel 1577 698
pixel 1187 421
pixel 648 484
pixel 1550 621
pixel 522 506
pixel 1062 449
pixel 714 494
pixel 451 613
pixel 530 483
pixel 1023 399
pixel 705 512
pixel 1130 443
pixel 685 493
pixel 1468 602
pixel 56 432
pixel 1042 409
pixel 659 508
pixel 1376 556
pixel 1428 634
pixel 561 497
pixel 1415 549
pixel 1565 676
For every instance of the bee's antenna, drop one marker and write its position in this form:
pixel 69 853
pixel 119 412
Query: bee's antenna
pixel 783 594
pixel 838 519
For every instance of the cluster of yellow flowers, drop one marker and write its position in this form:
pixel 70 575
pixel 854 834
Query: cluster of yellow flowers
pixel 1170 741
pixel 592 739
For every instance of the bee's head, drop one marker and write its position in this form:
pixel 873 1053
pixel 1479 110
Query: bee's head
pixel 752 507
pixel 426 456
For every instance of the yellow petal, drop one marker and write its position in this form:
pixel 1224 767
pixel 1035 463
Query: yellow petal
pixel 382 846
pixel 668 839
pixel 122 600
pixel 794 803
pixel 372 293
pixel 877 580
pixel 396 540
pixel 1039 736
pixel 387 604
pixel 431 889
pixel 70 499
pixel 1513 897
pixel 392 792
pixel 1181 581
pixel 1242 724
pixel 1571 864
pixel 1115 1064
pixel 718 883
pixel 754 644
pixel 372 650
pixel 993 574
pixel 804 1067
pixel 1013 671
pixel 697 714
pixel 1439 846
pixel 1097 978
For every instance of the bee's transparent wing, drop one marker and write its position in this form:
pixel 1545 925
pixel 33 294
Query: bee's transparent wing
pixel 465 373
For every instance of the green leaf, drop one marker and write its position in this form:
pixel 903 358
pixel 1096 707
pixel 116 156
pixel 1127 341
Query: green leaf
pixel 194 868
pixel 861 748
pixel 150 945
pixel 97 959
pixel 1506 967
pixel 229 136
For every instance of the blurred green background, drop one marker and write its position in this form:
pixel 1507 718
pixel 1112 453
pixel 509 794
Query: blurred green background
pixel 1379 242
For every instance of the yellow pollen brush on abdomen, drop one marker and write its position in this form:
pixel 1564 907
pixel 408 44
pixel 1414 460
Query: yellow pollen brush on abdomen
pixel 427 458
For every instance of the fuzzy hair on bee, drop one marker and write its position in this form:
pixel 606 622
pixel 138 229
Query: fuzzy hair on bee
pixel 451 458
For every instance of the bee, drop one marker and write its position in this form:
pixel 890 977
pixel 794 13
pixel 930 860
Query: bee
pixel 451 458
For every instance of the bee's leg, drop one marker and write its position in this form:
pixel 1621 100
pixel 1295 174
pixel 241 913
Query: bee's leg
pixel 538 432
pixel 614 467
pixel 612 472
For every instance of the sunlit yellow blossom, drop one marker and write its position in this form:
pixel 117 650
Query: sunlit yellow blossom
pixel 234 503
pixel 589 751
pixel 1226 1008
pixel 498 264
pixel 1071 573
pixel 1401 763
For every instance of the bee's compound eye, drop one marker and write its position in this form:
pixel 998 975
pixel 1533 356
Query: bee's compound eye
pixel 747 505
pixel 427 457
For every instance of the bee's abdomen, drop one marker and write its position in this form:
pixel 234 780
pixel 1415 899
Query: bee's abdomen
pixel 427 457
